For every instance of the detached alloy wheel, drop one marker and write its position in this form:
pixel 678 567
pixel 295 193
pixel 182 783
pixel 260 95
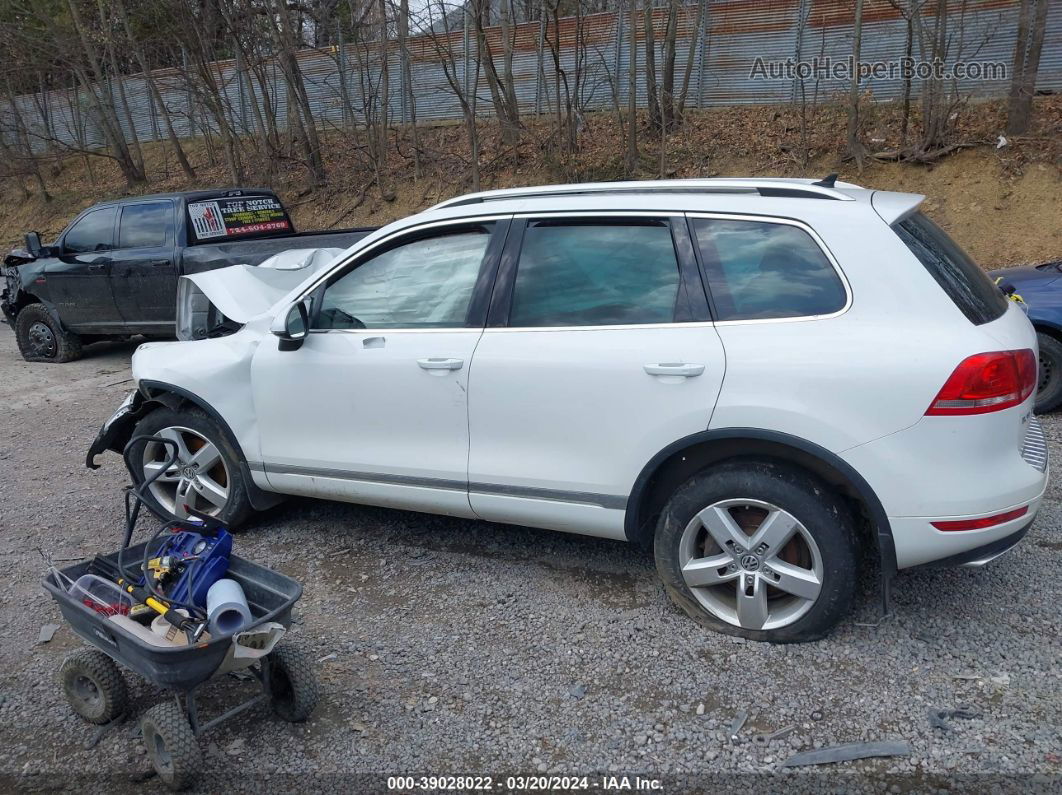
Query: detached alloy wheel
pixel 758 550
pixel 206 477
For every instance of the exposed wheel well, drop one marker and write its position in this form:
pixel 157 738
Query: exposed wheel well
pixel 678 463
pixel 157 394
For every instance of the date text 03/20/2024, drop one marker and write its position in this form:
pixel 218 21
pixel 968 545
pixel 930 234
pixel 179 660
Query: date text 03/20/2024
pixel 612 783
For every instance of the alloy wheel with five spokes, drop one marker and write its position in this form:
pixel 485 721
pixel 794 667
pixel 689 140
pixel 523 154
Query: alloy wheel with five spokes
pixel 198 480
pixel 751 563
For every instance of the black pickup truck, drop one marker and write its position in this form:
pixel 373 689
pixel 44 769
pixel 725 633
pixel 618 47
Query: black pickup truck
pixel 113 271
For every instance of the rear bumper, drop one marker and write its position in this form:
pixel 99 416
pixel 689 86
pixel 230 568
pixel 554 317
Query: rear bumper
pixel 919 543
pixel 951 469
pixel 979 556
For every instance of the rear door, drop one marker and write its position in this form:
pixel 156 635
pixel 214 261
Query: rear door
pixel 599 352
pixel 77 281
pixel 143 273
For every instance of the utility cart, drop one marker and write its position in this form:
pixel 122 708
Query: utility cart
pixel 93 683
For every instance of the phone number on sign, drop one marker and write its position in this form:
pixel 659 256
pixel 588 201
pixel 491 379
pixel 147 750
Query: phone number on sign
pixel 489 783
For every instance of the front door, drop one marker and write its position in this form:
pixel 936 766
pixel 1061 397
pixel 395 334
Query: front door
pixel 373 407
pixel 143 272
pixel 77 281
pixel 598 354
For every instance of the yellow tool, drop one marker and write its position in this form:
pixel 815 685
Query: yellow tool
pixel 174 617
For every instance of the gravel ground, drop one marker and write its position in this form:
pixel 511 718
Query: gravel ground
pixel 451 647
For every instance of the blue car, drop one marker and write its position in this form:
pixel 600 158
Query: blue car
pixel 1041 289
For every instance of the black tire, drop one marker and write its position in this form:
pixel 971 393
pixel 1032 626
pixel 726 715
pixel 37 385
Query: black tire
pixel 820 512
pixel 41 339
pixel 292 683
pixel 94 686
pixel 171 745
pixel 238 508
pixel 1049 389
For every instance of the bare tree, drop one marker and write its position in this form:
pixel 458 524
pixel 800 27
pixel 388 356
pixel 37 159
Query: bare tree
pixel 632 90
pixel 149 78
pixel 1032 24
pixel 854 146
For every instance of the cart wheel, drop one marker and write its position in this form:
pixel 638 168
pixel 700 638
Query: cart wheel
pixel 93 685
pixel 171 745
pixel 292 684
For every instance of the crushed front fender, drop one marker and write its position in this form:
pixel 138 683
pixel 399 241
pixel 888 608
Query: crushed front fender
pixel 116 431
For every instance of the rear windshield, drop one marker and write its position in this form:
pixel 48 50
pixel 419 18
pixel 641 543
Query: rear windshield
pixel 959 276
pixel 230 217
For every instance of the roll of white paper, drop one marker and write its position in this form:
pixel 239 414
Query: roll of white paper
pixel 227 610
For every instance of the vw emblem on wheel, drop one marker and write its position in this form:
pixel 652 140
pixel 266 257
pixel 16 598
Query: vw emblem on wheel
pixel 750 562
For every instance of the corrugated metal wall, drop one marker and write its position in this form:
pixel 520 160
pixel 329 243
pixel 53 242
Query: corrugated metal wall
pixel 721 54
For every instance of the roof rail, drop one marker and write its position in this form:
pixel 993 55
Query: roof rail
pixel 764 186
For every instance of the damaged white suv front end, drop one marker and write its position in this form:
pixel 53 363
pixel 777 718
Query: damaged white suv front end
pixel 217 302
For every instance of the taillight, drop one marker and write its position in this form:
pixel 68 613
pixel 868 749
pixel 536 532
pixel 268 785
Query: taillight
pixel 987 382
pixel 983 522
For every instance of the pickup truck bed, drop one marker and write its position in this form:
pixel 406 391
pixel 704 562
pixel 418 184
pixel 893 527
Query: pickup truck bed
pixel 113 271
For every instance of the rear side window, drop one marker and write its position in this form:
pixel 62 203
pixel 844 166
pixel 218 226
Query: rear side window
pixel 758 270
pixel 144 225
pixel 595 274
pixel 959 276
pixel 94 232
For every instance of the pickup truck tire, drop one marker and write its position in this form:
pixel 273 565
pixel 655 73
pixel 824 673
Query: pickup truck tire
pixel 208 466
pixel 41 339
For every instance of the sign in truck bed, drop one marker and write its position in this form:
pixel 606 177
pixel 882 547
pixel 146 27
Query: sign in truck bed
pixel 233 217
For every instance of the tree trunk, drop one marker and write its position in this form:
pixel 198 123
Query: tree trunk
pixel 156 95
pixel 652 87
pixel 108 118
pixel 855 145
pixel 632 91
pixel 1032 23
pixel 407 83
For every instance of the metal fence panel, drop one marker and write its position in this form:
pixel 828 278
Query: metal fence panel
pixel 342 82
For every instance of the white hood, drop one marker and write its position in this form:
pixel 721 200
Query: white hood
pixel 241 292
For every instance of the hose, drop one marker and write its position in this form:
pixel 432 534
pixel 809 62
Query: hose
pixel 134 500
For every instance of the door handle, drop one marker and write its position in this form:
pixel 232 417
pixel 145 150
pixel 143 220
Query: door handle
pixel 675 368
pixel 440 364
pixel 160 263
pixel 95 268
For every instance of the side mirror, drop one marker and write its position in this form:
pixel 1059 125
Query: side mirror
pixel 291 326
pixel 33 245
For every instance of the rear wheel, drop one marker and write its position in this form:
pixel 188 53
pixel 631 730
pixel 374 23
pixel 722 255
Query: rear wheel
pixel 206 477
pixel 758 550
pixel 41 339
pixel 93 686
pixel 1049 386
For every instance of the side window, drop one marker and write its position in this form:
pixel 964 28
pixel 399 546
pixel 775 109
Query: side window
pixel 425 283
pixel 94 232
pixel 595 274
pixel 144 225
pixel 960 277
pixel 760 270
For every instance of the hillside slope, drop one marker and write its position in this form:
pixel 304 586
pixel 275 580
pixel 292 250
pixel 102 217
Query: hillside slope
pixel 1003 204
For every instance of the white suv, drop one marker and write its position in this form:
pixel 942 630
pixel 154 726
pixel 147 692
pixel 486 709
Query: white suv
pixel 759 378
